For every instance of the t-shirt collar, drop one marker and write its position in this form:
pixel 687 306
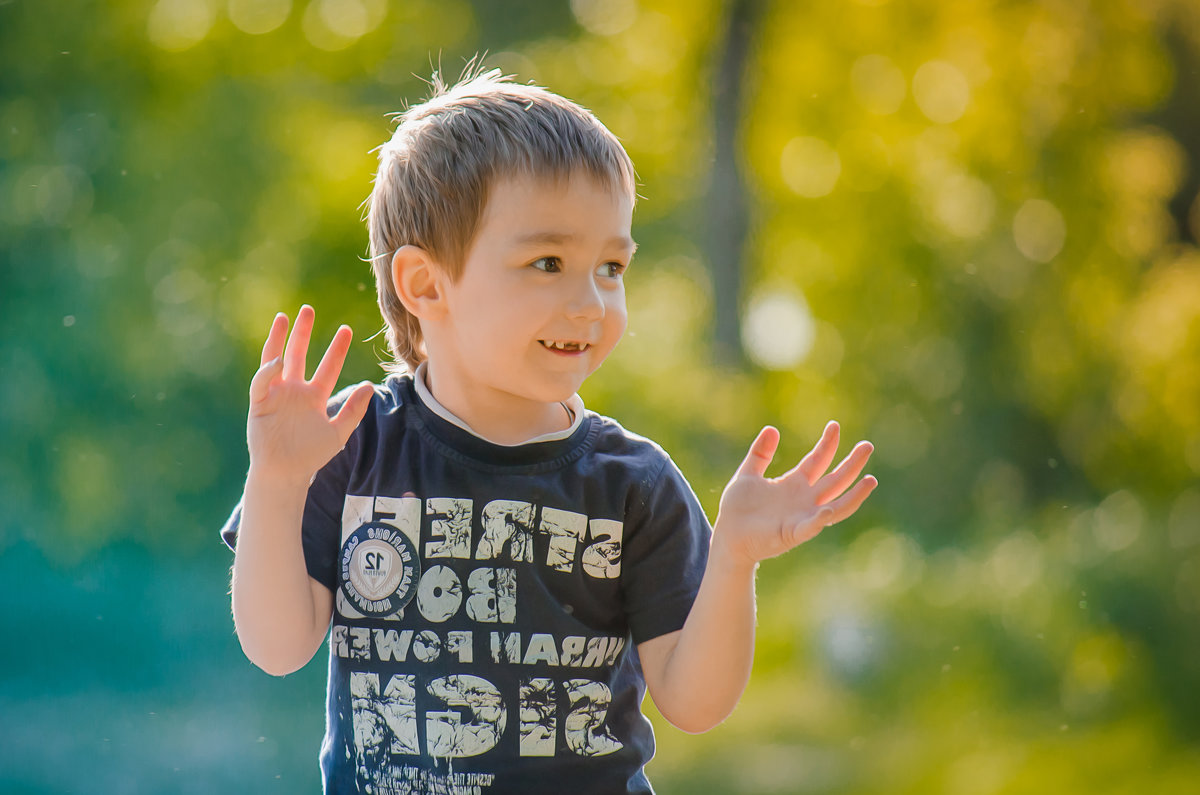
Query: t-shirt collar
pixel 574 404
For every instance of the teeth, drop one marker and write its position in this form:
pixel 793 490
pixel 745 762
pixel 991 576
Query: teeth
pixel 564 346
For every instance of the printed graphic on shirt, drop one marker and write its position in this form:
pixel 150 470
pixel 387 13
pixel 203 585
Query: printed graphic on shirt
pixel 416 718
pixel 379 569
pixel 401 513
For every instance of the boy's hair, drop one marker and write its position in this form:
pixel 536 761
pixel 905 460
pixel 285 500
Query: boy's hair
pixel 436 171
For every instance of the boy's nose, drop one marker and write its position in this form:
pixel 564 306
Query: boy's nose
pixel 585 301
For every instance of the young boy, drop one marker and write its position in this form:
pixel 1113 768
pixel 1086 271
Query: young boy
pixel 506 572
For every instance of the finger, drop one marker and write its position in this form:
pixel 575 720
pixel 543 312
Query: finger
pixel 276 338
pixel 845 474
pixel 295 357
pixel 762 450
pixel 353 410
pixel 833 513
pixel 260 384
pixel 844 507
pixel 813 465
pixel 326 376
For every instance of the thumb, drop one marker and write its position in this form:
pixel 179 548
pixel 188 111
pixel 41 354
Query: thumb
pixel 353 410
pixel 260 384
pixel 762 450
pixel 804 530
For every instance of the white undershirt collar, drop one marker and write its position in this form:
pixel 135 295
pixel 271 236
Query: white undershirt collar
pixel 574 406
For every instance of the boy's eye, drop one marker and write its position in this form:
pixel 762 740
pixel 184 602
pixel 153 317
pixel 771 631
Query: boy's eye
pixel 547 264
pixel 611 270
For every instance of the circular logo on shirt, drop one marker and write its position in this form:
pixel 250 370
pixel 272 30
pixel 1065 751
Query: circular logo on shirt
pixel 380 569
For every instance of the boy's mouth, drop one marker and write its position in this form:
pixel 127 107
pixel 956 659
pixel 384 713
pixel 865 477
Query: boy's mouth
pixel 565 347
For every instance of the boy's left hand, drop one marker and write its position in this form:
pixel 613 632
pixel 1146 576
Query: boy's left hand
pixel 761 517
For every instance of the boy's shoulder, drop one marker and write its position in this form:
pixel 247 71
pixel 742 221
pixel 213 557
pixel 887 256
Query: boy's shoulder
pixel 616 434
pixel 392 394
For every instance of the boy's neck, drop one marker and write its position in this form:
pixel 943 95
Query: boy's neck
pixel 496 416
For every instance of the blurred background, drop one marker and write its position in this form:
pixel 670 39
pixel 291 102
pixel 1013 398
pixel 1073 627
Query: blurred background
pixel 967 230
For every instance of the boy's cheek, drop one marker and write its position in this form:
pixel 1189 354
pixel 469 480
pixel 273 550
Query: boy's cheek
pixel 620 315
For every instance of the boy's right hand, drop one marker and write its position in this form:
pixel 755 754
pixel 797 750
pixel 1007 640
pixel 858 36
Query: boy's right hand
pixel 288 431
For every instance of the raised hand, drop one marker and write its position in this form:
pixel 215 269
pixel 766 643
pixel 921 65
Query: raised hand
pixel 288 431
pixel 761 517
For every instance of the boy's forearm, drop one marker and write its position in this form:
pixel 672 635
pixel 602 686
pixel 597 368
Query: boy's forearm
pixel 274 611
pixel 707 671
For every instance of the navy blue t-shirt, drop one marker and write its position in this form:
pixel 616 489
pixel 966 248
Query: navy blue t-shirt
pixel 489 599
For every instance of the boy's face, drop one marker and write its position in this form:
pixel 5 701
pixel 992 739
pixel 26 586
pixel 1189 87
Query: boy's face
pixel 540 302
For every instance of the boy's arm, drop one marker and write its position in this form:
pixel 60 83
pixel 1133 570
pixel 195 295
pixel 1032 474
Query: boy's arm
pixel 281 613
pixel 697 674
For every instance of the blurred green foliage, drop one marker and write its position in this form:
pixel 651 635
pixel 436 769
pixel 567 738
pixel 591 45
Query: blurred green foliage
pixel 973 232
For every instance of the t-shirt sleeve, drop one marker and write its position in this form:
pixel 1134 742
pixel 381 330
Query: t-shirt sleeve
pixel 664 556
pixel 322 520
pixel 321 530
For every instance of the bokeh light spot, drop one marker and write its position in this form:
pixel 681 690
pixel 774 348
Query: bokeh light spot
pixel 1016 563
pixel 1039 230
pixel 1144 164
pixel 883 560
pixel 257 17
pixel 176 25
pixel 810 167
pixel 778 330
pixel 901 435
pixel 604 17
pixel 654 43
pixel 941 91
pixel 346 18
pixel 1118 521
pixel 878 84
pixel 336 24
pixel 1163 318
pixel 61 192
pixel 963 206
pixel 849 641
pixel 182 302
pixel 517 64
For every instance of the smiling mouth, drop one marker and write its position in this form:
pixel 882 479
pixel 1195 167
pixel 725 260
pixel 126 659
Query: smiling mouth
pixel 565 347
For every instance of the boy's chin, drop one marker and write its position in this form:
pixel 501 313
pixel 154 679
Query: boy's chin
pixel 559 392
pixel 559 395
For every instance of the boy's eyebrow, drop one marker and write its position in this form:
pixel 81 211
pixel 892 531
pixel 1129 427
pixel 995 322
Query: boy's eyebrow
pixel 562 238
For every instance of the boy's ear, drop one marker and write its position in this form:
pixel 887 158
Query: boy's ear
pixel 418 282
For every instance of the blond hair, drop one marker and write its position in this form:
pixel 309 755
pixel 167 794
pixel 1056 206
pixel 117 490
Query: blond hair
pixel 435 173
